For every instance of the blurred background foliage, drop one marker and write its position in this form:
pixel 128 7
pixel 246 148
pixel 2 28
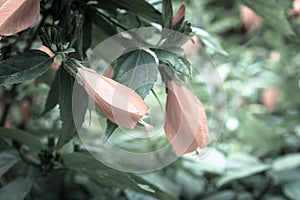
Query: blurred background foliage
pixel 257 155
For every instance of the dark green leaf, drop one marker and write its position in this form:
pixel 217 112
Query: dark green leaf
pixel 87 33
pixel 16 190
pixel 137 70
pixel 68 131
pixel 167 13
pixel 8 159
pixel 24 67
pixel 140 8
pixel 80 105
pixel 52 98
pixel 180 64
pixel 110 128
pixel 101 22
pixel 272 13
pixel 21 137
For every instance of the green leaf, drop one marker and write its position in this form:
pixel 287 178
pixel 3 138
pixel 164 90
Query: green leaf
pixel 110 128
pixel 68 131
pixel 137 70
pixel 100 21
pixel 22 137
pixel 180 64
pixel 167 13
pixel 80 105
pixel 209 41
pixel 141 8
pixel 7 160
pixel 87 33
pixel 291 189
pixel 286 162
pixel 16 190
pixel 105 176
pixel 241 165
pixel 272 13
pixel 24 67
pixel 52 98
pixel 259 135
pixel 245 172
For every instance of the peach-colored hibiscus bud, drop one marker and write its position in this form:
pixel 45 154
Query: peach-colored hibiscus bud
pixel 118 103
pixel 249 19
pixel 179 14
pixel 17 15
pixel 185 121
pixel 270 97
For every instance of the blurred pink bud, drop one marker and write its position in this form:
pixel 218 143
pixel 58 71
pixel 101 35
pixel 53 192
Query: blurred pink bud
pixel 17 15
pixel 296 8
pixel 55 65
pixel 117 102
pixel 270 98
pixel 179 14
pixel 185 121
pixel 192 46
pixel 249 19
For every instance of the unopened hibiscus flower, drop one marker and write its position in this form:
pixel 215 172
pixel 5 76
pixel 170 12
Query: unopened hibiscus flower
pixel 117 102
pixel 185 120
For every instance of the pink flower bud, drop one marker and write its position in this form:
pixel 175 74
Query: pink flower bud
pixel 249 19
pixel 179 14
pixel 117 102
pixel 185 120
pixel 17 15
pixel 270 98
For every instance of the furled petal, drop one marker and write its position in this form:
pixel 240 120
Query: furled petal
pixel 185 121
pixel 55 65
pixel 17 15
pixel 179 14
pixel 117 102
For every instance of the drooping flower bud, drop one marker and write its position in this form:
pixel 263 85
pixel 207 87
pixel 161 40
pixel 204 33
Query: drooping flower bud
pixel 179 14
pixel 185 120
pixel 118 103
pixel 17 15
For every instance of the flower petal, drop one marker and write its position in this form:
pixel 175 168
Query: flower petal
pixel 117 102
pixel 185 124
pixel 179 14
pixel 16 16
